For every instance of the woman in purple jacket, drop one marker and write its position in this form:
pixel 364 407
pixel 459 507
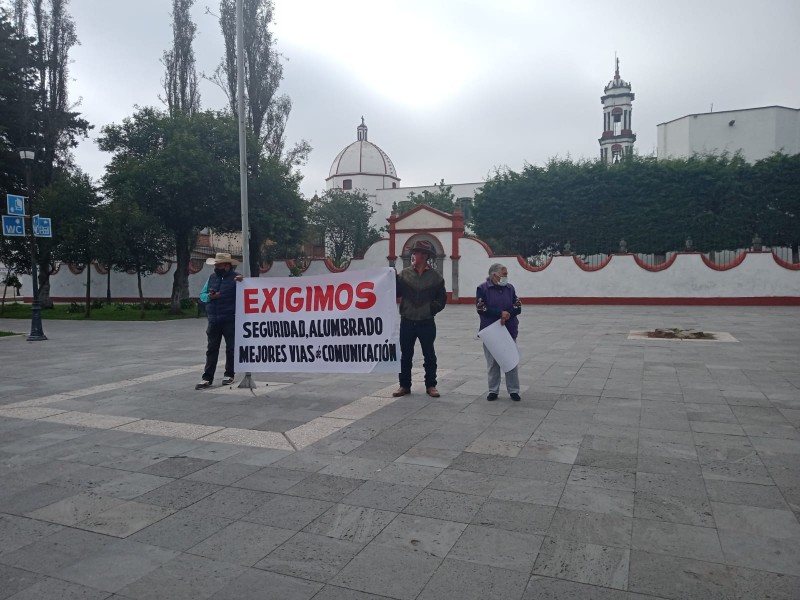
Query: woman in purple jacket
pixel 496 300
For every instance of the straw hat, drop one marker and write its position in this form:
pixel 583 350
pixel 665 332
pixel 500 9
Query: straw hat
pixel 222 258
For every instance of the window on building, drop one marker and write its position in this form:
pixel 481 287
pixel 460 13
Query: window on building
pixel 394 184
pixel 347 184
pixel 617 125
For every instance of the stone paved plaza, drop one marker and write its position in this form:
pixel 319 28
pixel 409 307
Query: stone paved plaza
pixel 632 469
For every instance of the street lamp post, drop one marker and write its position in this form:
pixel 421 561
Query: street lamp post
pixel 37 334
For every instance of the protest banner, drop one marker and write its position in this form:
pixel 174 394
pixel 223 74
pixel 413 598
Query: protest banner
pixel 336 323
pixel 501 345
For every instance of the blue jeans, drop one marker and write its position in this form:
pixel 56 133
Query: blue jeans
pixel 410 332
pixel 215 332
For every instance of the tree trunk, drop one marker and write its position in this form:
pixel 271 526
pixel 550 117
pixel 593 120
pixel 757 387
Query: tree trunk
pixel 141 294
pixel 44 286
pixel 180 281
pixel 108 284
pixel 88 289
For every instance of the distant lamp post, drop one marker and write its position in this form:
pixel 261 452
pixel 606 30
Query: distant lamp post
pixel 689 243
pixel 37 334
pixel 758 245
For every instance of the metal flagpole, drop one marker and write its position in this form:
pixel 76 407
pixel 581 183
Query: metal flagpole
pixel 247 381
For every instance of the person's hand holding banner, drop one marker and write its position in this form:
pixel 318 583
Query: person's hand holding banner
pixel 501 345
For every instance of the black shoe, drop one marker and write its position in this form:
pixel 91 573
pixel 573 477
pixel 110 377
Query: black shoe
pixel 491 397
pixel 515 397
pixel 228 380
pixel 203 385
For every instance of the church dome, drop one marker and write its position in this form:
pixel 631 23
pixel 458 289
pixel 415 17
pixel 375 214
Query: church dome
pixel 362 157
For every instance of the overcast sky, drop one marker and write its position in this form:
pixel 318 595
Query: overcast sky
pixel 453 89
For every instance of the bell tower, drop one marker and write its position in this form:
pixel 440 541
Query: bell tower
pixel 618 137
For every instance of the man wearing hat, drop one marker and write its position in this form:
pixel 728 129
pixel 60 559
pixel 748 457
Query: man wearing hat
pixel 422 295
pixel 219 296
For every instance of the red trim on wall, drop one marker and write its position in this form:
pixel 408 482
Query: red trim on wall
pixel 785 264
pixel 524 264
pixel 655 268
pixel 584 267
pixel 486 246
pixel 734 263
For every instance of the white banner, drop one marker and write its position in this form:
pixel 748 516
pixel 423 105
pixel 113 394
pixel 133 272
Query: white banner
pixel 338 323
pixel 500 345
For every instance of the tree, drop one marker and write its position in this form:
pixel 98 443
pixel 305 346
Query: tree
pixel 50 125
pixel 267 111
pixel 75 199
pixel 141 241
pixel 442 199
pixel 344 219
pixel 180 78
pixel 182 169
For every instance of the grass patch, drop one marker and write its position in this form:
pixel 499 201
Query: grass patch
pixel 100 312
pixel 7 333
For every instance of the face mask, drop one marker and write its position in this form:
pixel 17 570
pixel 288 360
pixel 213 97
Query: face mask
pixel 220 271
pixel 503 281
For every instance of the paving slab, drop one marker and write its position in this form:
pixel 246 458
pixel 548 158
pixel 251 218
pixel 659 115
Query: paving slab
pixel 633 469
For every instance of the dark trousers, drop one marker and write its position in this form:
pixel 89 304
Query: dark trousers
pixel 410 332
pixel 215 332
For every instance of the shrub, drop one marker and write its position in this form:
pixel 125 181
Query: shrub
pixel 74 307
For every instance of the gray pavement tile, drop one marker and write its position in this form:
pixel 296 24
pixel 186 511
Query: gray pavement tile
pixel 130 485
pixel 309 460
pixel 310 556
pixel 386 571
pixel 668 466
pixel 118 565
pixel 470 581
pixel 607 460
pixel 378 450
pixel 548 588
pixel 713 447
pixel 259 457
pixel 353 467
pixel 61 549
pixel 254 583
pixel 70 511
pixel 515 516
pixel 14 580
pixel 713 427
pixel 585 563
pixel 768 522
pixel 324 487
pixel 673 509
pixel 602 478
pixel 17 532
pixel 466 482
pixel 750 584
pixel 183 577
pixel 541 470
pixel 783 468
pixel 497 548
pixel 384 496
pixel 232 503
pixel 55 589
pixel 563 452
pixel 482 463
pixel 242 543
pixel 181 530
pixel 434 537
pixel 676 539
pixel 179 494
pixel 124 519
pixel 353 523
pixel 749 494
pixel 687 486
pixel 528 490
pixel 271 479
pixel 748 470
pixel 678 578
pixel 595 499
pixel 431 457
pixel 407 474
pixel 289 512
pixel 222 473
pixel 439 504
pixel 33 497
pixel 177 466
pixel 590 527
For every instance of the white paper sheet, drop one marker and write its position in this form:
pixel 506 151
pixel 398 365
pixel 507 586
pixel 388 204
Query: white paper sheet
pixel 501 345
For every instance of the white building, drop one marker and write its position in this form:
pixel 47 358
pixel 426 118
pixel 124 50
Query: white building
pixel 756 132
pixel 362 166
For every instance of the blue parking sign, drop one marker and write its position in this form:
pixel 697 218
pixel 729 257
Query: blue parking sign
pixel 16 205
pixel 13 226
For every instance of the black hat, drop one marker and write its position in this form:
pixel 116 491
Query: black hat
pixel 423 246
